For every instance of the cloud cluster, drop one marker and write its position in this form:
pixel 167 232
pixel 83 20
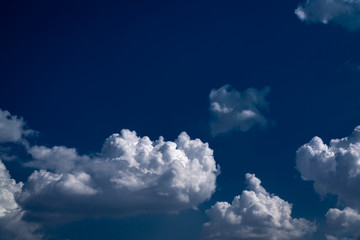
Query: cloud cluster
pixel 255 214
pixel 335 169
pixel 345 13
pixel 131 175
pixel 11 224
pixel 12 128
pixel 234 110
pixel 343 224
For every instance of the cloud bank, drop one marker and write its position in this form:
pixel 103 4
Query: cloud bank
pixel 255 214
pixel 234 110
pixel 345 13
pixel 131 175
pixel 334 168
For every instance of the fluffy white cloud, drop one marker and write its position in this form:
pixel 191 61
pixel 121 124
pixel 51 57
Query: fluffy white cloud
pixel 11 127
pixel 131 175
pixel 343 224
pixel 233 110
pixel 342 12
pixel 11 224
pixel 335 169
pixel 255 214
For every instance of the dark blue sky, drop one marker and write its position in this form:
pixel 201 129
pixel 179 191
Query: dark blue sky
pixel 79 71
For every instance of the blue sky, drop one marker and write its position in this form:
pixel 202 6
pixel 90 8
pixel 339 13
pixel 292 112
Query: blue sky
pixel 147 120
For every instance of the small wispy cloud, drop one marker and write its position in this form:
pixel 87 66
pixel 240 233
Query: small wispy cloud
pixel 12 128
pixel 239 111
pixel 345 13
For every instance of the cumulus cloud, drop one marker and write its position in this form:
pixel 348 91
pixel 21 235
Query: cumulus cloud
pixel 255 214
pixel 234 110
pixel 343 224
pixel 345 13
pixel 11 224
pixel 131 175
pixel 334 168
pixel 12 128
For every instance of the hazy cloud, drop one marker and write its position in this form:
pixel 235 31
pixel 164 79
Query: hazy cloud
pixel 11 224
pixel 345 13
pixel 234 110
pixel 255 214
pixel 335 169
pixel 343 224
pixel 131 175
pixel 12 128
pixel 58 158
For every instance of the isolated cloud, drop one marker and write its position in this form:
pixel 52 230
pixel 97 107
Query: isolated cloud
pixel 255 214
pixel 12 128
pixel 343 224
pixel 233 110
pixel 131 175
pixel 11 224
pixel 345 13
pixel 335 169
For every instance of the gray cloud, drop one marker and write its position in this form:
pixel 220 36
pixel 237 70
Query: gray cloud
pixel 12 227
pixel 233 110
pixel 12 128
pixel 345 13
pixel 335 169
pixel 255 214
pixel 343 224
pixel 131 175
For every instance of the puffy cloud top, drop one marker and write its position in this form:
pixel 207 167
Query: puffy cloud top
pixel 342 12
pixel 131 175
pixel 335 169
pixel 255 214
pixel 233 110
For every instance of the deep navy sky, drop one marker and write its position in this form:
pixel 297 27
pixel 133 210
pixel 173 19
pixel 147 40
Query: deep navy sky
pixel 78 72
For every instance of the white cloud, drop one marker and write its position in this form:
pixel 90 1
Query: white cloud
pixel 12 128
pixel 255 214
pixel 233 110
pixel 58 158
pixel 11 224
pixel 342 12
pixel 131 175
pixel 343 224
pixel 335 169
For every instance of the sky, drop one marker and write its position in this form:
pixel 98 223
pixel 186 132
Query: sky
pixel 199 120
